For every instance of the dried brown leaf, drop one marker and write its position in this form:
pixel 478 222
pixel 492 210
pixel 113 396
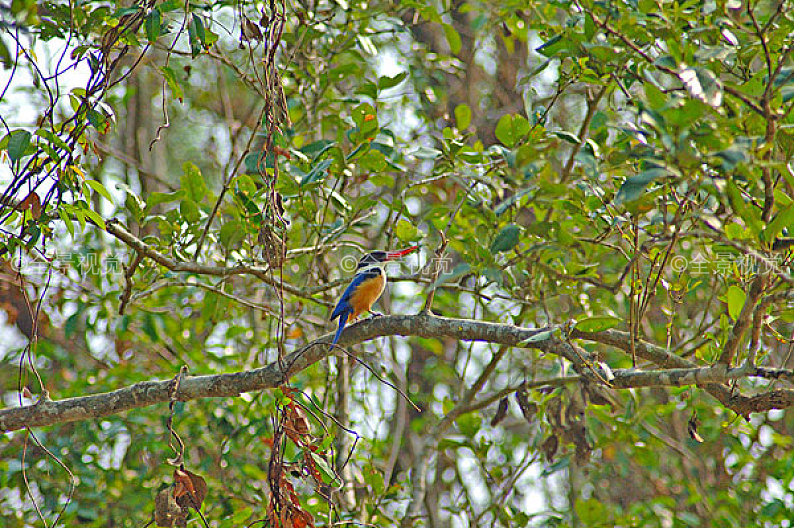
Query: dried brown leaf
pixel 302 519
pixel 692 428
pixel 273 249
pixel 575 410
pixel 528 409
pixel 501 412
pixel 32 202
pixel 296 421
pixel 190 489
pixel 250 30
pixel 577 434
pixel 554 413
pixel 549 447
pixel 167 512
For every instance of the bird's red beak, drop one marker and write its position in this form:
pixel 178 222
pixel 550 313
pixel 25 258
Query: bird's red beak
pixel 392 255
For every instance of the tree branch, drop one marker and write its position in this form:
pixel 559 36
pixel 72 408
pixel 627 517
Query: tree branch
pixel 261 272
pixel 677 371
pixel 738 403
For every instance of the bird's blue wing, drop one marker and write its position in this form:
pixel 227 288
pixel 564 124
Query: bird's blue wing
pixel 344 301
pixel 343 308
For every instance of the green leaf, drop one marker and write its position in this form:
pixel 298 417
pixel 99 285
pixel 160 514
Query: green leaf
pixel 200 33
pixel 244 183
pixel 97 119
pixel 507 239
pixel 372 160
pixel 386 82
pixel 189 210
pixel 171 5
pixel 231 234
pixel 552 46
pixel 735 198
pixel 329 476
pixel 536 338
pixel 735 299
pixel 5 56
pixel 192 182
pixel 80 216
pixel 591 512
pixel 562 463
pixel 257 162
pixel 195 30
pixel 731 157
pixel 589 27
pixel 772 509
pixel 512 200
pixel 365 117
pixel 94 216
pixel 318 172
pixel 511 128
pixel 463 116
pixel 366 44
pixel 406 231
pixel 633 187
pixel 153 22
pixel 53 139
pixel 427 153
pixel 318 147
pixel 369 89
pixel 702 84
pixel 173 84
pixel 150 328
pixel 157 198
pixel 67 221
pixel 98 187
pixel 568 136
pixel 783 219
pixel 469 424
pixel 654 96
pixel 18 143
pixel 597 323
pixel 739 205
pixel 252 210
pixel 453 38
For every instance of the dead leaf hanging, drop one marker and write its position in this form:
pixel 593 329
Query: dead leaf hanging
pixel 501 412
pixel 190 489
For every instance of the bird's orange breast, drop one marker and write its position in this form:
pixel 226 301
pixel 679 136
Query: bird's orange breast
pixel 366 295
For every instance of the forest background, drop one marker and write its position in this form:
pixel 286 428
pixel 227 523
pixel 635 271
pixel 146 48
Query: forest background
pixel 597 329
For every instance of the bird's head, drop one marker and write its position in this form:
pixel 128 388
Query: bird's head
pixel 379 258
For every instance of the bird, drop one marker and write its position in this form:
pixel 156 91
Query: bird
pixel 365 288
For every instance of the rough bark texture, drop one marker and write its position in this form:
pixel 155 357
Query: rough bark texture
pixel 47 412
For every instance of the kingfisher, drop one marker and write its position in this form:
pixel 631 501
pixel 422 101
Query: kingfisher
pixel 366 287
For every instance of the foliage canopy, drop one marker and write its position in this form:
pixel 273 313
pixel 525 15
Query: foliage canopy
pixel 188 183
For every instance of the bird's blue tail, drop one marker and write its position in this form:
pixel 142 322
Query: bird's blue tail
pixel 342 322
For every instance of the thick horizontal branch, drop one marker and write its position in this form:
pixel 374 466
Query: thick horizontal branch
pixel 739 403
pixel 148 393
pixel 630 378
